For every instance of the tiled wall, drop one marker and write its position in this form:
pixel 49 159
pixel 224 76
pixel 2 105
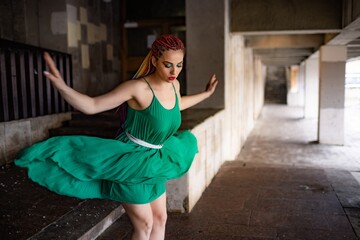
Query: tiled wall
pixel 88 30
pixel 93 39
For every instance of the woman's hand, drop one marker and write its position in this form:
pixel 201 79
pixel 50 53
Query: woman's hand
pixel 53 74
pixel 191 100
pixel 211 86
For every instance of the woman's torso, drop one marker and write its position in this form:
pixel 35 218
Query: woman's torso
pixel 155 123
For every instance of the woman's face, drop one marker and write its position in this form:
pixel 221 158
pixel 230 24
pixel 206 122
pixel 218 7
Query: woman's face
pixel 169 65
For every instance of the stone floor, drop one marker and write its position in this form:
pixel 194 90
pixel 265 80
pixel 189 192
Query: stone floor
pixel 282 186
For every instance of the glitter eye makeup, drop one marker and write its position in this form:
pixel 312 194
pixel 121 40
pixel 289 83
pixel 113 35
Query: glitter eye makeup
pixel 169 65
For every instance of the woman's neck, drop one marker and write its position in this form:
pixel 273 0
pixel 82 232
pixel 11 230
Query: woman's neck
pixel 155 80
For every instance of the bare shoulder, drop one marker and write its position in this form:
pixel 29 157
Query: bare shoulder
pixel 139 85
pixel 138 88
pixel 133 85
pixel 141 94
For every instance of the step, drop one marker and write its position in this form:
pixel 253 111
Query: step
pixel 89 220
pixel 88 131
pixel 98 123
pixel 108 116
pixel 29 211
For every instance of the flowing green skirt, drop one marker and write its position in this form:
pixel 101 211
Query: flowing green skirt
pixel 117 169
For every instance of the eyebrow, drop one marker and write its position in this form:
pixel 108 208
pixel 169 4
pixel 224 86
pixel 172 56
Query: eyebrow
pixel 172 63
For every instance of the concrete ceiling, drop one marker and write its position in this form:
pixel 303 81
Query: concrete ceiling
pixel 292 49
pixel 287 32
pixel 284 50
pixel 350 37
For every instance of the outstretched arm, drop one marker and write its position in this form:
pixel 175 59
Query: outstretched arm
pixel 82 102
pixel 191 100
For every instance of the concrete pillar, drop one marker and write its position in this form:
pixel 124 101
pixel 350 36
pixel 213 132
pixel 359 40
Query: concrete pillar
pixel 311 109
pixel 332 62
pixel 205 48
pixel 301 85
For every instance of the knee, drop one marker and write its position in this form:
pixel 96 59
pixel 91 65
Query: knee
pixel 143 226
pixel 160 219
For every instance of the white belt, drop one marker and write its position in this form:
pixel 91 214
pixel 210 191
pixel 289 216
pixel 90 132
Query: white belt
pixel 141 142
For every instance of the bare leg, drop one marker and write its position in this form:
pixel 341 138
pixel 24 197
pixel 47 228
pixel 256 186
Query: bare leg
pixel 141 219
pixel 159 215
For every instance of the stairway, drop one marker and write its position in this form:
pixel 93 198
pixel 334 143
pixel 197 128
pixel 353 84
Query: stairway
pixel 103 125
pixel 33 212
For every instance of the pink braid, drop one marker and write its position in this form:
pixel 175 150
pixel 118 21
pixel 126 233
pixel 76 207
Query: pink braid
pixel 166 42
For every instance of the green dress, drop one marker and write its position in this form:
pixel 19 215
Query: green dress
pixel 118 169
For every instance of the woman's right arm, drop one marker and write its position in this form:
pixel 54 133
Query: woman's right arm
pixel 82 102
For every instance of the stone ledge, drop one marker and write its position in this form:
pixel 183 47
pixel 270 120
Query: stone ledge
pixel 193 116
pixel 85 222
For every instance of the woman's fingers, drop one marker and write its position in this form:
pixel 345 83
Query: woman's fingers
pixel 53 74
pixel 50 76
pixel 213 79
pixel 51 64
pixel 212 83
pixel 215 83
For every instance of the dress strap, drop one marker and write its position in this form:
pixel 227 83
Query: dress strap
pixel 174 88
pixel 149 85
pixel 154 92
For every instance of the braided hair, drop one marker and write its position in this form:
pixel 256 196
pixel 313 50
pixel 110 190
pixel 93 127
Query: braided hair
pixel 160 45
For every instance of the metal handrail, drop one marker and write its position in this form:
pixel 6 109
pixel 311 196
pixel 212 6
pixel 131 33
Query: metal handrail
pixel 25 92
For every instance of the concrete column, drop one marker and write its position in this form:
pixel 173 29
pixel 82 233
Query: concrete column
pixel 332 62
pixel 312 86
pixel 205 48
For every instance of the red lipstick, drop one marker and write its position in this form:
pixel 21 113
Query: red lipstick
pixel 172 78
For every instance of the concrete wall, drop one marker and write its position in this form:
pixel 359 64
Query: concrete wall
pixel 88 30
pixel 244 93
pixel 244 89
pixel 16 135
pixel 221 136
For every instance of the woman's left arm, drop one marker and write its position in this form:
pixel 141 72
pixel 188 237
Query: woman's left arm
pixel 191 100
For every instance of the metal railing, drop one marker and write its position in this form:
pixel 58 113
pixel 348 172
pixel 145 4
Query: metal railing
pixel 25 92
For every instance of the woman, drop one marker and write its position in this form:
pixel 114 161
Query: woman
pixel 132 168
